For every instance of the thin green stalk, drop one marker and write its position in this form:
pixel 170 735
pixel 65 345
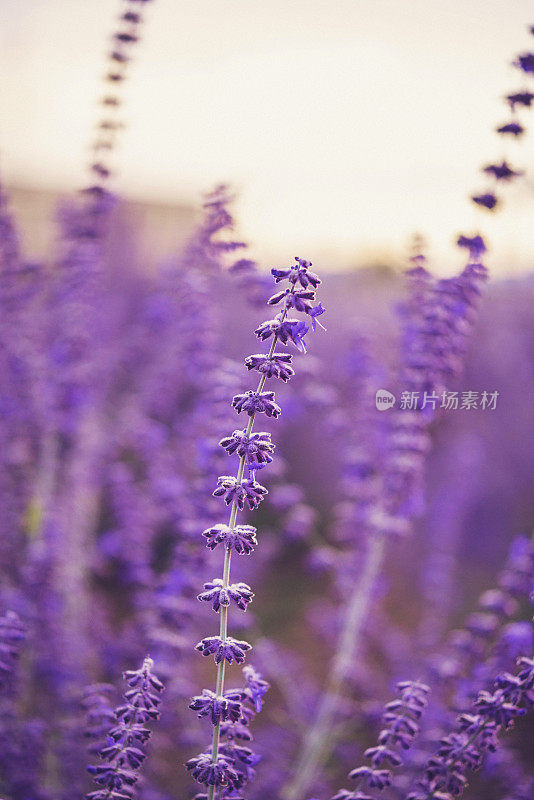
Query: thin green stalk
pixel 318 740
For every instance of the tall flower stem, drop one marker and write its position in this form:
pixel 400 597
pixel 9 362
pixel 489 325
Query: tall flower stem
pixel 223 627
pixel 315 748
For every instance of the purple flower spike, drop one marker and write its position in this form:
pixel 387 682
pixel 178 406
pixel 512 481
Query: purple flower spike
pixel 256 687
pixel 229 650
pixel 124 752
pixel 219 595
pixel 256 403
pixel 278 366
pixel 232 712
pixel 401 719
pixel 227 707
pixel 487 200
pixel 257 447
pixel 248 491
pixel 212 773
pixel 242 538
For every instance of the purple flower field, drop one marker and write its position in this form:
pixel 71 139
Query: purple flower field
pixel 266 529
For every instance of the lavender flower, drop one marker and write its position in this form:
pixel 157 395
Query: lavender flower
pixel 525 62
pixel 218 709
pixel 520 99
pixel 501 172
pixel 278 366
pixel 257 447
pixel 286 330
pixel 228 764
pixel 256 403
pixel 218 772
pixel 245 491
pixel 474 244
pixel 124 754
pixel 401 720
pixel 513 128
pixel 227 649
pixel 242 538
pixel 487 200
pixel 256 688
pixel 476 735
pixel 216 593
pixel 298 273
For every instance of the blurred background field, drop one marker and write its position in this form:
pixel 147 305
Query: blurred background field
pixel 348 130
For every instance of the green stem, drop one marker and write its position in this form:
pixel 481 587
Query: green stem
pixel 318 740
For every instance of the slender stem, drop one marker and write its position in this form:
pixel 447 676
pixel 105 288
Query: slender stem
pixel 318 740
pixel 223 626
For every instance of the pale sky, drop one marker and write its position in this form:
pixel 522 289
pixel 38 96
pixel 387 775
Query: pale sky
pixel 345 125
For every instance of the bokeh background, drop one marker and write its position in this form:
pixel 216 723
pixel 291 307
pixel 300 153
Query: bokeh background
pixel 344 126
pixel 347 130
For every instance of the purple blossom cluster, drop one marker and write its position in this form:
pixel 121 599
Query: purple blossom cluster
pixel 401 720
pixel 476 734
pixel 123 753
pixel 227 767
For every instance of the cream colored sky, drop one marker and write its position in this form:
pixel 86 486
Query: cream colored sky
pixel 346 125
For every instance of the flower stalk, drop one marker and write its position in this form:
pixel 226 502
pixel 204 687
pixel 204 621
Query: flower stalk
pixel 218 768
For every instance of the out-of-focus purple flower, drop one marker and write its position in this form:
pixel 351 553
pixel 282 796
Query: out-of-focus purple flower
pixel 240 492
pixel 99 715
pixel 216 593
pixel 525 62
pixel 512 128
pixel 520 99
pixel 256 688
pixel 401 720
pixel 242 538
pixel 487 200
pixel 501 172
pixel 123 753
pixel 257 403
pixel 475 245
pixel 476 734
pixel 229 650
pixel 12 635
